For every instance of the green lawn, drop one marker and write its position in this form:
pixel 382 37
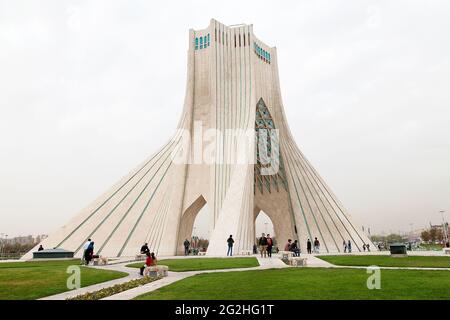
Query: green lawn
pixel 307 283
pixel 388 261
pixel 33 280
pixel 191 264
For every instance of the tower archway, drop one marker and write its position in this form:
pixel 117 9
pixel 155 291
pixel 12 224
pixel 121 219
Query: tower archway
pixel 187 222
pixel 264 224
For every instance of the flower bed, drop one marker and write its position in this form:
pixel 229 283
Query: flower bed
pixel 106 292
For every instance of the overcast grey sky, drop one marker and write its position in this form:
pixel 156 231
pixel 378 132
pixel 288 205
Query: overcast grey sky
pixel 89 89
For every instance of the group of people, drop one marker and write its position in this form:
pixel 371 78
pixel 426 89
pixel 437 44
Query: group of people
pixel 195 249
pixel 348 246
pixel 265 244
pixel 150 260
pixel 309 246
pixel 293 247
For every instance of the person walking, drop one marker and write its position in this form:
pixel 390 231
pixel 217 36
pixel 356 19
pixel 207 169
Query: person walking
pixel 349 246
pixel 230 242
pixel 344 245
pixel 308 246
pixel 89 253
pixel 269 245
pixel 186 244
pixel 85 247
pixel 316 245
pixel 263 245
pixel 368 247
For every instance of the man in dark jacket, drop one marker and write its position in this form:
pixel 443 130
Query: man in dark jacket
pixel 230 242
pixel 294 248
pixel 145 249
pixel 309 246
pixel 263 245
pixel 186 244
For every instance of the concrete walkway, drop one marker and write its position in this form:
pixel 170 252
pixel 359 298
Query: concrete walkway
pixel 313 262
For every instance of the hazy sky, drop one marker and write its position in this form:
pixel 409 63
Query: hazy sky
pixel 89 89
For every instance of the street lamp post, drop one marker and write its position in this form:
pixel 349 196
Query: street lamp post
pixel 444 228
pixel 1 244
pixel 5 242
pixel 411 233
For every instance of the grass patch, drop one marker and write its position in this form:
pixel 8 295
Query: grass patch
pixel 106 292
pixel 195 264
pixel 306 283
pixel 388 261
pixel 37 279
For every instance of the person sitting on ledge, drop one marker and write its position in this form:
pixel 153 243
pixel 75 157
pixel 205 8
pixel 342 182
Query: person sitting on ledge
pixel 154 260
pixel 40 248
pixel 145 249
pixel 295 249
pixel 149 261
pixel 287 247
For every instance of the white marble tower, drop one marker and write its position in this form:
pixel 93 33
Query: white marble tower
pixel 232 86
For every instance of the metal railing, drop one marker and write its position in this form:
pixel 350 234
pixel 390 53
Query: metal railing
pixel 11 256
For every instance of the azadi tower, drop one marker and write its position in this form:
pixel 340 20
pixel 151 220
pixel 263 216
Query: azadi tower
pixel 232 92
